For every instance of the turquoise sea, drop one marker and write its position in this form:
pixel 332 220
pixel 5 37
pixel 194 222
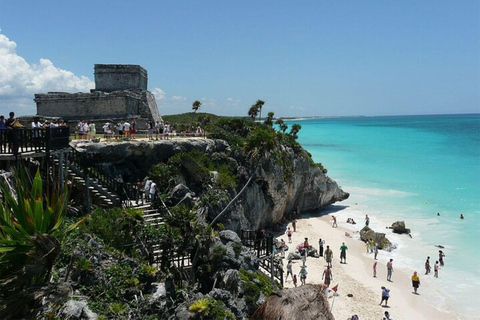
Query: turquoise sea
pixel 411 168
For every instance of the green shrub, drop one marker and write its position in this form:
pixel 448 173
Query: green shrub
pixel 116 226
pixel 237 248
pixel 253 288
pixel 210 308
pixel 217 253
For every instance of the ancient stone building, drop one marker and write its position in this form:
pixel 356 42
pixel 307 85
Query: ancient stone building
pixel 120 93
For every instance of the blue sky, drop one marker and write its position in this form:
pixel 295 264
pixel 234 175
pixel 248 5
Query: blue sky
pixel 309 58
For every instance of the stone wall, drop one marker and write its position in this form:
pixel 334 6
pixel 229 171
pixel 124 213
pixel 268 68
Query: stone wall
pixel 113 77
pixel 96 105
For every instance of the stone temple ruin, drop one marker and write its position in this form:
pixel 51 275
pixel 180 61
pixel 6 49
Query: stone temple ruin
pixel 120 93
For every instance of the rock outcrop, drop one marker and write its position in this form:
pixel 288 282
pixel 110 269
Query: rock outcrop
pixel 399 227
pixel 271 194
pixel 308 300
pixel 383 243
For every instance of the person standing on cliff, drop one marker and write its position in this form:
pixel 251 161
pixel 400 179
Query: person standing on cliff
pixel 328 256
pixel 320 247
pixel 367 220
pixel 389 270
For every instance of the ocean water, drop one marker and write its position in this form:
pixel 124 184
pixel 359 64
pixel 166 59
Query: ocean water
pixel 411 168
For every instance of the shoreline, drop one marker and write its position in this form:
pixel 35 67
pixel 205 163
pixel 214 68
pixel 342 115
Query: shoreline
pixel 356 277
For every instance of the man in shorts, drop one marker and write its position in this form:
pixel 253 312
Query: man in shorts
pixel 389 270
pixel 328 256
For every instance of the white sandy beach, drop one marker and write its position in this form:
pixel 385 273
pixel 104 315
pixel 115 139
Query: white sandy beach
pixel 356 277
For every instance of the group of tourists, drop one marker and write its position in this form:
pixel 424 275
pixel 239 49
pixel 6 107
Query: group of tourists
pixel 86 130
pixel 439 263
pixel 122 129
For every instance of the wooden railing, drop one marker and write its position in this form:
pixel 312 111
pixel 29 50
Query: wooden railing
pixel 262 244
pixel 126 191
pixel 22 140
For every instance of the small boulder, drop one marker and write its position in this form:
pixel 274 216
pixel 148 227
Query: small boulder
pixel 179 192
pixel 77 310
pixel 229 236
pixel 399 227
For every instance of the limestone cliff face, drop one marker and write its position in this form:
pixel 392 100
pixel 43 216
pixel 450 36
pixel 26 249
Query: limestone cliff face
pixel 270 195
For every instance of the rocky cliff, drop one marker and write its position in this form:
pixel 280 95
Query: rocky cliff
pixel 277 188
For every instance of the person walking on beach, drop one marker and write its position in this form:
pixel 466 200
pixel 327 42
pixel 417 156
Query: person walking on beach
pixel 343 253
pixel 435 269
pixel 320 247
pixel 295 280
pixel 415 282
pixel 427 266
pixel 294 225
pixel 334 224
pixel 327 274
pixel 440 257
pixel 389 270
pixel 303 275
pixel 289 270
pixel 385 295
pixel 289 234
pixel 375 269
pixel 376 251
pixel 328 256
pixel 367 220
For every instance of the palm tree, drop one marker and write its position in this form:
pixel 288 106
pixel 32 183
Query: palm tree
pixel 259 104
pixel 195 106
pixel 269 119
pixel 252 112
pixel 282 125
pixel 295 129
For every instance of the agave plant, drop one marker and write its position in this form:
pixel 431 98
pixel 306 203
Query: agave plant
pixel 31 229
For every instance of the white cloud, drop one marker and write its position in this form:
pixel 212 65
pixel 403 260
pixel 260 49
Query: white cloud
pixel 229 99
pixel 159 93
pixel 19 80
pixel 178 98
